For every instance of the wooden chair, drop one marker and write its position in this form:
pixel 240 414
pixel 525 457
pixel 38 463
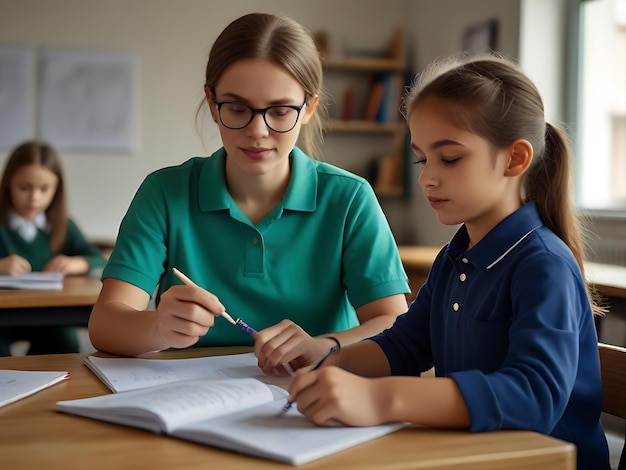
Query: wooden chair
pixel 613 368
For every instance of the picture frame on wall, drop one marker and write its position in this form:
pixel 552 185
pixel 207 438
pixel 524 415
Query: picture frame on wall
pixel 87 100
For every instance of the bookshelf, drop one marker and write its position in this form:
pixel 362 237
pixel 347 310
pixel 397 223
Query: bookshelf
pixel 365 90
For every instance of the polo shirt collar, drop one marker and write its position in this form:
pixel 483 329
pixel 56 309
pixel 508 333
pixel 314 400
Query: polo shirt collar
pixel 500 240
pixel 301 194
pixel 212 192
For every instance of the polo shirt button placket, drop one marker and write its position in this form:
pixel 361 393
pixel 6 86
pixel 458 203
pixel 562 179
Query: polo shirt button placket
pixel 462 277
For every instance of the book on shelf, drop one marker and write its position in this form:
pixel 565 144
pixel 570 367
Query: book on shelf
pixel 34 280
pixel 374 100
pixel 130 373
pixel 383 103
pixel 384 112
pixel 388 174
pixel 389 109
pixel 18 384
pixel 238 414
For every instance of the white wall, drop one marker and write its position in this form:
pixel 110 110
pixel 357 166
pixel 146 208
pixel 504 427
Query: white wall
pixel 171 39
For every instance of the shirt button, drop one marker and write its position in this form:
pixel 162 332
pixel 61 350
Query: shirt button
pixel 255 241
pixel 465 260
pixel 462 277
pixel 455 307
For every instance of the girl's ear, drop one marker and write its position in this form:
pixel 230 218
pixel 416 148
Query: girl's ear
pixel 520 158
pixel 311 105
pixel 210 98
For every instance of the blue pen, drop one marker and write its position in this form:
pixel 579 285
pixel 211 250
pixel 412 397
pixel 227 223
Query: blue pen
pixel 240 323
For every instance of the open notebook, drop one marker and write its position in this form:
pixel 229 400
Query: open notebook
pixel 18 384
pixel 239 414
pixel 129 373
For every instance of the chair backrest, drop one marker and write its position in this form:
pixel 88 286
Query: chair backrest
pixel 613 368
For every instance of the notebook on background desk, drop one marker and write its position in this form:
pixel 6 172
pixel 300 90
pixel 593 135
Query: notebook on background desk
pixel 34 280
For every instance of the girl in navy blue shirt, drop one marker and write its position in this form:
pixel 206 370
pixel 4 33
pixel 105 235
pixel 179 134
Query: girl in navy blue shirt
pixel 505 316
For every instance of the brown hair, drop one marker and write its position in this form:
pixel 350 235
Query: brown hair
pixel 37 153
pixel 284 42
pixel 491 97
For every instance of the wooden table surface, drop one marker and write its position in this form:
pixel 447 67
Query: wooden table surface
pixel 77 291
pixel 33 435
pixel 68 307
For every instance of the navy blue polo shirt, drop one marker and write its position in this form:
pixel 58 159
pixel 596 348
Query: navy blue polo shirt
pixel 510 321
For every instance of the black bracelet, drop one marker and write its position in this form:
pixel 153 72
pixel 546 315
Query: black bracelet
pixel 336 348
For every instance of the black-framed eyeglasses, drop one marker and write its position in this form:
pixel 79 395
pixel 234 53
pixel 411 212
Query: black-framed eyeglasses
pixel 280 118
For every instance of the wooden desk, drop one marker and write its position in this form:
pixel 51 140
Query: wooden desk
pixel 33 435
pixel 417 261
pixel 68 307
pixel 610 279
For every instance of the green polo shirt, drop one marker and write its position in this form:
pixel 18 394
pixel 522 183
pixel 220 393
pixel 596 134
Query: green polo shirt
pixel 38 251
pixel 324 250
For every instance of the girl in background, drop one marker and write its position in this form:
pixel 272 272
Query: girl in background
pixel 36 234
pixel 505 316
pixel 274 236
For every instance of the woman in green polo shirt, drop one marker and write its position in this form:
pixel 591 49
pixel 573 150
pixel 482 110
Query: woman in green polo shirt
pixel 297 248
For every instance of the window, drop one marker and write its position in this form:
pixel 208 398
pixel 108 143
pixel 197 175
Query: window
pixel 601 109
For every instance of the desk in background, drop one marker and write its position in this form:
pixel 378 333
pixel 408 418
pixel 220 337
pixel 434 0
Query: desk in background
pixel 33 435
pixel 417 260
pixel 68 307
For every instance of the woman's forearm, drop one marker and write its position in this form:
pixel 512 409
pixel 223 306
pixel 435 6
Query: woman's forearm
pixel 119 329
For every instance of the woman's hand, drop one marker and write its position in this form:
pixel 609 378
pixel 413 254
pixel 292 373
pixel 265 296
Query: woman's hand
pixel 14 265
pixel 287 343
pixel 333 394
pixel 67 265
pixel 185 313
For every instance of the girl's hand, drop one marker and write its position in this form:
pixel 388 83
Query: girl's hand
pixel 14 265
pixel 287 343
pixel 185 313
pixel 333 394
pixel 67 265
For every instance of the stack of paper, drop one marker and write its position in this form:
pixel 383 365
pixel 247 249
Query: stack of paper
pixel 33 281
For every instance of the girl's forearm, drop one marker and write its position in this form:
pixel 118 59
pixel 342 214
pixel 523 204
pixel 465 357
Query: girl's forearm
pixel 429 401
pixel 365 358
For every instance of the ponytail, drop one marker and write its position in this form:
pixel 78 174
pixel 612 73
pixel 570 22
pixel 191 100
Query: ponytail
pixel 548 184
